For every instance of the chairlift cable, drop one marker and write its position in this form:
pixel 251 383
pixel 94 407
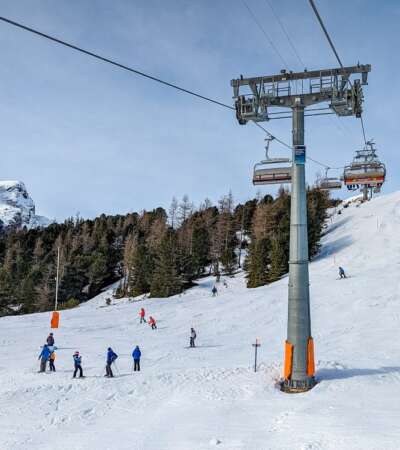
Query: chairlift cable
pixel 130 69
pixel 137 72
pixel 262 29
pixel 286 34
pixel 114 63
pixel 325 31
pixel 271 135
pixel 334 51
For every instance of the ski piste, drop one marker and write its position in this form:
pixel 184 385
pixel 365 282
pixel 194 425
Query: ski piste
pixel 213 392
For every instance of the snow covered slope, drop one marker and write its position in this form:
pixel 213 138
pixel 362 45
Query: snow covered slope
pixel 209 397
pixel 17 208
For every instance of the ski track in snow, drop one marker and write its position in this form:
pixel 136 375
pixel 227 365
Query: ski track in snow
pixel 209 397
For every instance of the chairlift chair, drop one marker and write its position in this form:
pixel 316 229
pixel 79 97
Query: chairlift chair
pixel 264 174
pixel 370 174
pixel 328 183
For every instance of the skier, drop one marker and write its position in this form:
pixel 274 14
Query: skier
pixel 193 336
pixel 225 284
pixel 152 323
pixel 77 365
pixel 136 354
pixel 51 361
pixel 50 340
pixel 142 314
pixel 341 273
pixel 44 356
pixel 111 357
pixel 214 291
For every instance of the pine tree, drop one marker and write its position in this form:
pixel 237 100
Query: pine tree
pixel 279 261
pixel 258 263
pixel 166 281
pixel 140 269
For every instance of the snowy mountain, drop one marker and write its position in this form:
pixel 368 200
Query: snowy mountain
pixel 209 397
pixel 17 208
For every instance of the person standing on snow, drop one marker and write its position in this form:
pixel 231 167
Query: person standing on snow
pixel 214 291
pixel 51 361
pixel 192 337
pixel 44 357
pixel 111 357
pixel 341 273
pixel 136 354
pixel 77 365
pixel 142 314
pixel 50 340
pixel 152 323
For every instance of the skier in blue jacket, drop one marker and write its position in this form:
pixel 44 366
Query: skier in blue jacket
pixel 77 365
pixel 341 272
pixel 111 357
pixel 44 357
pixel 136 354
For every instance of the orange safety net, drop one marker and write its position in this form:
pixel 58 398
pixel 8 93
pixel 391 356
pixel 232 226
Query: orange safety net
pixel 55 319
pixel 310 357
pixel 287 373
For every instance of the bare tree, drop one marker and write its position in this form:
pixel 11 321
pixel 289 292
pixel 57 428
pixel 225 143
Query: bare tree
pixel 173 209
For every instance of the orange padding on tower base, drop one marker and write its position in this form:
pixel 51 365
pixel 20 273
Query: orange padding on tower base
pixel 55 319
pixel 287 371
pixel 310 357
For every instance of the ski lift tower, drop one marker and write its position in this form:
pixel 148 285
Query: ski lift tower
pixel 254 97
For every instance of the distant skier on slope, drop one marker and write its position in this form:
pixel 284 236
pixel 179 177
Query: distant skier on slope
pixel 136 354
pixel 214 291
pixel 44 357
pixel 142 314
pixel 193 336
pixel 111 357
pixel 50 340
pixel 152 323
pixel 77 365
pixel 341 273
pixel 51 361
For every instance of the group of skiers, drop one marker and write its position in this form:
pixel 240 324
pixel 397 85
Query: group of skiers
pixel 152 321
pixel 48 352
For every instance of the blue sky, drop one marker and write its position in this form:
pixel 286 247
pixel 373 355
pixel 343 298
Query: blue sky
pixel 86 137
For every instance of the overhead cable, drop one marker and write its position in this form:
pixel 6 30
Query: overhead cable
pixel 265 33
pixel 325 31
pixel 286 34
pixel 114 63
pixel 336 54
pixel 130 69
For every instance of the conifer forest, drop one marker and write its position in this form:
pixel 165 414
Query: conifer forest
pixel 158 253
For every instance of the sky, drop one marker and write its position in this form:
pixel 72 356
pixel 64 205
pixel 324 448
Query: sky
pixel 88 138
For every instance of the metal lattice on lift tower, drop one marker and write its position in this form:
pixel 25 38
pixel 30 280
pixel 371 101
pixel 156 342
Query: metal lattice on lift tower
pixel 254 97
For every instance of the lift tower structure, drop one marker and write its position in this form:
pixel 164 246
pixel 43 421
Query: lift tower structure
pixel 254 97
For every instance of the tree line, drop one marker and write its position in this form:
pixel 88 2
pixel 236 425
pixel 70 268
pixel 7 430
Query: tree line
pixel 158 252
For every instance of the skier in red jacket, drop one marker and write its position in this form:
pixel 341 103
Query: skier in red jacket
pixel 142 314
pixel 152 323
